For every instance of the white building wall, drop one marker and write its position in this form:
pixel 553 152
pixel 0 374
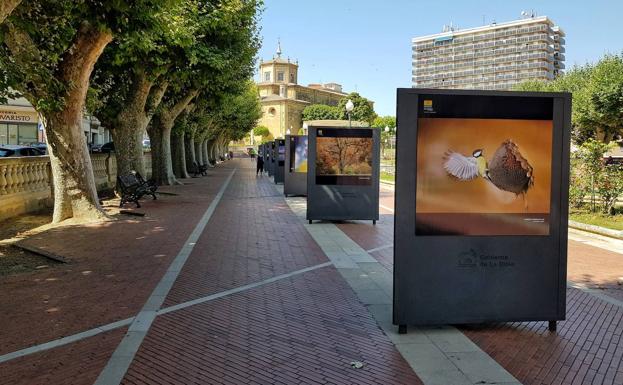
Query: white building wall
pixel 496 57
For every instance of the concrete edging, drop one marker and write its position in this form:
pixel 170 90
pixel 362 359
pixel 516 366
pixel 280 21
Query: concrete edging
pixel 596 229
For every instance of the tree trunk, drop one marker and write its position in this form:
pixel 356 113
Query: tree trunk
pixel 212 151
pixel 160 130
pixel 161 161
pixel 75 194
pixel 204 151
pixel 6 7
pixel 129 126
pixel 128 139
pixel 190 152
pixel 72 172
pixel 198 152
pixel 179 161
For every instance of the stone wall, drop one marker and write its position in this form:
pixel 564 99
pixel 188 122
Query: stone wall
pixel 26 182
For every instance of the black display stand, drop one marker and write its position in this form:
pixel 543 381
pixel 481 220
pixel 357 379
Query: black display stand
pixel 270 147
pixel 352 194
pixel 295 181
pixel 280 160
pixel 464 265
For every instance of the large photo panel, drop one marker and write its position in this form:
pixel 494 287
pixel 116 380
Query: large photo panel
pixel 483 176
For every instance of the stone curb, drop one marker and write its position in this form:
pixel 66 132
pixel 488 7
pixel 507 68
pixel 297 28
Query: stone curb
pixel 596 229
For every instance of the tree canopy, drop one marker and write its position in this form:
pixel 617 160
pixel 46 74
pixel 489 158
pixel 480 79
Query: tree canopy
pixel 155 61
pixel 320 112
pixel 363 110
pixel 597 98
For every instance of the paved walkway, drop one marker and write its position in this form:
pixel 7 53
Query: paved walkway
pixel 588 347
pixel 225 283
pixel 250 299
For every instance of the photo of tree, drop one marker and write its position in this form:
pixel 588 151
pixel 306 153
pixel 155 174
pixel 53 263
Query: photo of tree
pixel 344 156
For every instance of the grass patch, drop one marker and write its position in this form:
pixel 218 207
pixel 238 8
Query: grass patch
pixel 388 177
pixel 614 222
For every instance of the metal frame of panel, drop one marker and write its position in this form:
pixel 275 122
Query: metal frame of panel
pixel 455 279
pixel 279 165
pixel 295 183
pixel 343 201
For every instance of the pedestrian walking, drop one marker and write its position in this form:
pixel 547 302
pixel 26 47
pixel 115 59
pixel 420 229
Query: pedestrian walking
pixel 260 166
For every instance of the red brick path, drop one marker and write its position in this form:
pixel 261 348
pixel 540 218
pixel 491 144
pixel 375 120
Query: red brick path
pixel 588 347
pixel 305 329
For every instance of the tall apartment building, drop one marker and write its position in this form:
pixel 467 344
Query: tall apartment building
pixel 492 57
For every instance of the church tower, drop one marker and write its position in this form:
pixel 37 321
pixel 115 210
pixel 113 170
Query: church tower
pixel 279 70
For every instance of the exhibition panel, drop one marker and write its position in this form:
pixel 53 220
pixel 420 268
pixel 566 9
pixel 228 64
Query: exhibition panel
pixel 481 206
pixel 343 173
pixel 280 160
pixel 295 178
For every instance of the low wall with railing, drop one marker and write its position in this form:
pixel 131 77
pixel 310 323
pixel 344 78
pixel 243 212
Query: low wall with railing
pixel 26 182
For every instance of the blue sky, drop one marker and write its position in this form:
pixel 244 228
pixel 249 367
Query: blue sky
pixel 365 45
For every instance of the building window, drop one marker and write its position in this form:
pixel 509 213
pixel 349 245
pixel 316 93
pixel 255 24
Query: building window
pixel 272 111
pixel 280 76
pixel 267 76
pixel 291 78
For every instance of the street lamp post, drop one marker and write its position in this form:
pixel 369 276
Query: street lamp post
pixel 305 127
pixel 349 108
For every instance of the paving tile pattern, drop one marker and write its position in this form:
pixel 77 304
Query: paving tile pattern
pixel 114 267
pixel 252 236
pixel 587 349
pixel 77 364
pixel 306 329
pixel 596 268
pixel 371 237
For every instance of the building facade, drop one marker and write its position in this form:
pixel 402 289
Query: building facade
pixel 492 57
pixel 21 124
pixel 283 99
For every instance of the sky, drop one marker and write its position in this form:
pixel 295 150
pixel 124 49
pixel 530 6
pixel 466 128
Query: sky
pixel 365 45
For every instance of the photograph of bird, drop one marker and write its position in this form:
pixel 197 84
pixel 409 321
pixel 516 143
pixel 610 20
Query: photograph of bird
pixel 507 170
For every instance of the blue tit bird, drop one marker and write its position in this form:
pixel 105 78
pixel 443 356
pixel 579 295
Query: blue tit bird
pixel 466 167
pixel 508 170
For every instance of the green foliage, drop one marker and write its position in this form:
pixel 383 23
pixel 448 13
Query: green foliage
pixel 385 121
pixel 579 185
pixel 268 138
pixel 39 36
pixel 591 176
pixel 261 131
pixel 320 112
pixel 610 186
pixel 597 89
pixel 362 111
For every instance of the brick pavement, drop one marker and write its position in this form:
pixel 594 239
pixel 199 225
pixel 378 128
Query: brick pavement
pixel 587 348
pixel 114 268
pixel 303 329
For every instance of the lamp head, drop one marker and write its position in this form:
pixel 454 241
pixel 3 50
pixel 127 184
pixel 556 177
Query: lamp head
pixel 349 106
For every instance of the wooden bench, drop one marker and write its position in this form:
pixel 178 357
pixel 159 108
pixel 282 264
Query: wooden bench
pixel 132 187
pixel 199 169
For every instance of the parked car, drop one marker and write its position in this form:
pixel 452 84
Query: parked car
pixel 96 147
pixel 146 144
pixel 40 146
pixel 11 150
pixel 108 147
